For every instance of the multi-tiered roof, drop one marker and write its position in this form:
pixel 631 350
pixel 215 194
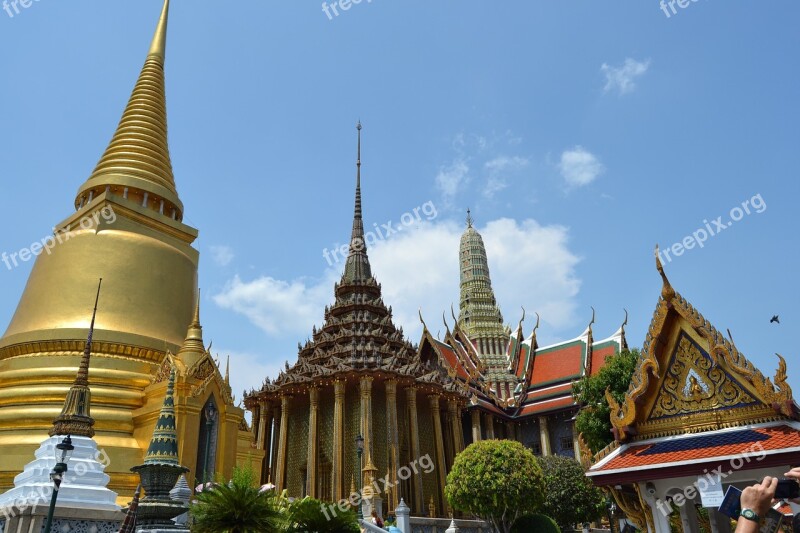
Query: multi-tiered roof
pixel 358 334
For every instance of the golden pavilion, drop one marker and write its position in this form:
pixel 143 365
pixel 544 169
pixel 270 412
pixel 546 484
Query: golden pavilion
pixel 148 312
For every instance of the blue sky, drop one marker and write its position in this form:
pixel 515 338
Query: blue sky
pixel 580 133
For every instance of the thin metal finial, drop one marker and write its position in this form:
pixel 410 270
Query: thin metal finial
pixel 469 218
pixel 83 370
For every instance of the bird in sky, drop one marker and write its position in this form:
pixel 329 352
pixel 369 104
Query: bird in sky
pixel 775 320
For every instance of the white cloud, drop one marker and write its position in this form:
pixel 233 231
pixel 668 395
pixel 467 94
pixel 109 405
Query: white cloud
pixel 623 78
pixel 531 266
pixel 451 178
pixel 498 170
pixel 579 167
pixel 280 308
pixel 222 255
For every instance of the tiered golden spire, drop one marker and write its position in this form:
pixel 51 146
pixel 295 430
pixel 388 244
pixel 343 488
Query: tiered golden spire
pixel 193 348
pixel 136 163
pixel 75 418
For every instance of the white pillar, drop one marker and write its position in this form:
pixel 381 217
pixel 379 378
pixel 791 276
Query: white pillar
pixel 689 517
pixel 659 509
pixel 403 517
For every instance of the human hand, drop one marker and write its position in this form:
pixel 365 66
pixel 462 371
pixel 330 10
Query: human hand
pixel 794 473
pixel 758 497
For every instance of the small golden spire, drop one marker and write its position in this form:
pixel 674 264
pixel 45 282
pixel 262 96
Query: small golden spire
pixel 158 48
pixel 193 348
pixel 228 372
pixel 667 292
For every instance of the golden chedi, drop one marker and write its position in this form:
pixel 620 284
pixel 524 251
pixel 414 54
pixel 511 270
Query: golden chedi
pixel 127 229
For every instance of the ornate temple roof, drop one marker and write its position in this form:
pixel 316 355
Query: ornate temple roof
pixel 689 374
pixel 358 333
pixel 530 380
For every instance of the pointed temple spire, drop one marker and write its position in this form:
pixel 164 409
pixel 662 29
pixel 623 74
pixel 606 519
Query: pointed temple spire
pixel 357 267
pixel 136 164
pixel 75 418
pixel 479 315
pixel 193 347
pixel 164 444
pixel 129 525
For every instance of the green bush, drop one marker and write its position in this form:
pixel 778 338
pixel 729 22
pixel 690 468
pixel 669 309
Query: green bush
pixel 537 523
pixel 309 514
pixel 570 496
pixel 496 480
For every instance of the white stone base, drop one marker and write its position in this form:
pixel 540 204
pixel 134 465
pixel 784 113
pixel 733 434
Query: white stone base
pixel 84 486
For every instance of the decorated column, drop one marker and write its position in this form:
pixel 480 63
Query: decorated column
pixel 276 426
pixel 411 394
pixel 311 471
pixel 338 440
pixel 441 466
pixel 366 421
pixel 489 421
pixel 393 439
pixel 476 425
pixel 455 420
pixel 544 435
pixel 280 467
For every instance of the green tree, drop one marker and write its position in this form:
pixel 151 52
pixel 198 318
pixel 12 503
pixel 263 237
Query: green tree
pixel 496 480
pixel 535 522
pixel 309 514
pixel 594 419
pixel 570 497
pixel 238 507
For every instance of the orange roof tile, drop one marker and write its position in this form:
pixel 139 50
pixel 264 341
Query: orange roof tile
pixel 704 446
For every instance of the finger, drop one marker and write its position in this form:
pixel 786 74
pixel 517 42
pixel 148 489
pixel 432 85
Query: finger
pixel 766 481
pixel 773 485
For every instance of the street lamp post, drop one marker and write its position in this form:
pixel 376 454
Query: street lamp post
pixel 211 415
pixel 360 452
pixel 63 453
pixel 611 507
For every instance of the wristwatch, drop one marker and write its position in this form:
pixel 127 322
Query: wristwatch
pixel 749 514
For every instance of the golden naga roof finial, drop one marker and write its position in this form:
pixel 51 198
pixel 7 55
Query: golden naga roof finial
pixel 158 47
pixel 521 320
pixel 667 292
pixel 453 314
pixel 424 325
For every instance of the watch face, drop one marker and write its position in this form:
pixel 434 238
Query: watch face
pixel 749 514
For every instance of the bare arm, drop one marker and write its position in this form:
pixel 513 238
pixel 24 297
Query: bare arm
pixel 758 498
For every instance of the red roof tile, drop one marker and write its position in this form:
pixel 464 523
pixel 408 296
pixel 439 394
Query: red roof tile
pixel 545 406
pixel 561 364
pixel 599 357
pixel 705 446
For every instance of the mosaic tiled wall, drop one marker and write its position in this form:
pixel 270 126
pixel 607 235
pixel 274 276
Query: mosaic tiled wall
pixel 296 453
pixel 325 442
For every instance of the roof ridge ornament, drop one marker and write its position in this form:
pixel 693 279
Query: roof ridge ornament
pixel 667 292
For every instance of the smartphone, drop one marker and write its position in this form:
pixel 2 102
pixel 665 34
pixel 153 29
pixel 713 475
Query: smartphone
pixel 788 489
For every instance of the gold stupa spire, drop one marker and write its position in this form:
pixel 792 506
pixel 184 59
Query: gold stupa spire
pixel 75 418
pixel 136 164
